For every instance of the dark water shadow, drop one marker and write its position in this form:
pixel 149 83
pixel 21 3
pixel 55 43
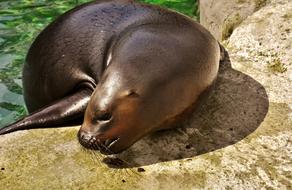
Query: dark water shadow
pixel 235 109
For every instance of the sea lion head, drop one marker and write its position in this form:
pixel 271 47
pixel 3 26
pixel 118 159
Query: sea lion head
pixel 143 89
pixel 121 111
pixel 112 121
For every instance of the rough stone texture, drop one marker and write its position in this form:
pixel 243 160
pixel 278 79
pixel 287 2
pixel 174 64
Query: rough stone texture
pixel 221 17
pixel 261 47
pixel 239 139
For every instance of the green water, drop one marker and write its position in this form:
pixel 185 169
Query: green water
pixel 20 22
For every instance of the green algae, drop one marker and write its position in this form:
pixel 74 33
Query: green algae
pixel 276 66
pixel 199 177
pixel 59 162
pixel 185 179
pixel 241 1
pixel 214 158
pixel 53 159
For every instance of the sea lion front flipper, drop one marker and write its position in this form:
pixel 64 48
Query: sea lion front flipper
pixel 58 113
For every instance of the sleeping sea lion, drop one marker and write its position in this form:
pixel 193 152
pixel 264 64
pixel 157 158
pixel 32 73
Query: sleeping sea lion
pixel 125 68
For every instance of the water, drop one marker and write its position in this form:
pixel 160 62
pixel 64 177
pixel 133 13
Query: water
pixel 20 22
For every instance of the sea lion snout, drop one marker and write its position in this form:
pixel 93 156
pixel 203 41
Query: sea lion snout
pixel 96 142
pixel 109 132
pixel 108 122
pixel 94 132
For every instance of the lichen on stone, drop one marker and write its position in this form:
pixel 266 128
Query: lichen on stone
pixel 277 66
pixel 260 3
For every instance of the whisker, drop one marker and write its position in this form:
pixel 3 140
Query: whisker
pixel 96 157
pixel 112 143
pixel 106 148
pixel 92 156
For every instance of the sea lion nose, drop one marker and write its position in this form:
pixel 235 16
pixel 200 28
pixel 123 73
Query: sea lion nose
pixel 86 139
pixel 83 135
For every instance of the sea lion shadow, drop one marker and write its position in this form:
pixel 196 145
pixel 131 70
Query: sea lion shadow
pixel 235 108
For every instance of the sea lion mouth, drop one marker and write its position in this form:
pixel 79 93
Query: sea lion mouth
pixel 94 143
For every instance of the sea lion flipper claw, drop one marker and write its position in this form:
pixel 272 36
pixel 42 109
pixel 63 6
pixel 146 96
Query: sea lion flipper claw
pixel 59 113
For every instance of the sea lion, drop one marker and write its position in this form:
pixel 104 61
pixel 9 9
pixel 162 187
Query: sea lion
pixel 132 68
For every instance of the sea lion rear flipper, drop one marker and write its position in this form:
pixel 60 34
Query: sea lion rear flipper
pixel 58 113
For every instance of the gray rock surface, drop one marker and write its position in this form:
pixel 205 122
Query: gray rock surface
pixel 223 16
pixel 240 138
